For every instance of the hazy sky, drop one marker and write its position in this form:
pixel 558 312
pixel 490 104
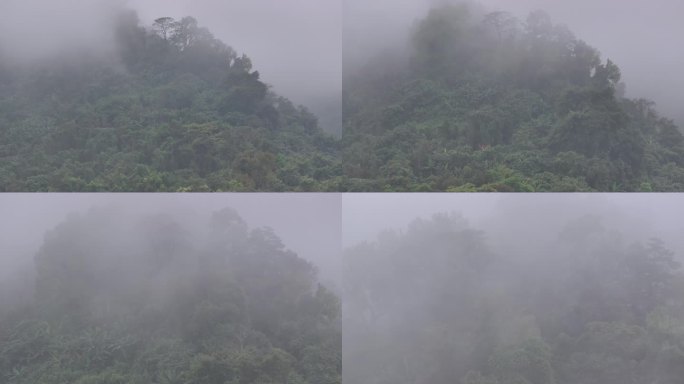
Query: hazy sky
pixel 364 215
pixel 308 224
pixel 297 44
pixel 642 37
pixel 649 214
pixel 294 44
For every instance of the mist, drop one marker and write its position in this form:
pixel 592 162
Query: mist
pixel 639 37
pixel 296 46
pixel 534 288
pixel 643 213
pixel 26 218
pixel 147 288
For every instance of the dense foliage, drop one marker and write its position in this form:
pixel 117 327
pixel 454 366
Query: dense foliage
pixel 171 108
pixel 485 102
pixel 143 301
pixel 437 305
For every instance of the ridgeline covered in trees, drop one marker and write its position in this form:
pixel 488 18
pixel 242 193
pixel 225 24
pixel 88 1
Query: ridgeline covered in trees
pixel 436 304
pixel 486 102
pixel 169 108
pixel 125 300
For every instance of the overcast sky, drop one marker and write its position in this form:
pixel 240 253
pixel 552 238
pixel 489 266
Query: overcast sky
pixel 316 226
pixel 297 44
pixel 639 216
pixel 294 44
pixel 642 37
pixel 308 224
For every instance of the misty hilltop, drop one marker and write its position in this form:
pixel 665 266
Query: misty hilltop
pixel 484 101
pixel 166 107
pixel 139 298
pixel 439 303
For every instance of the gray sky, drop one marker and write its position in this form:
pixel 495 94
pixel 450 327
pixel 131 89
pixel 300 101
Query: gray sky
pixel 365 215
pixel 535 215
pixel 642 37
pixel 295 44
pixel 308 224
pixel 37 29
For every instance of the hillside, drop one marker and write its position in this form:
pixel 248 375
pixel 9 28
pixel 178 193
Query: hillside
pixel 147 300
pixel 487 102
pixel 169 108
pixel 435 304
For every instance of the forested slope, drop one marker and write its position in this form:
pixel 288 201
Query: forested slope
pixel 486 102
pixel 437 305
pixel 168 108
pixel 147 300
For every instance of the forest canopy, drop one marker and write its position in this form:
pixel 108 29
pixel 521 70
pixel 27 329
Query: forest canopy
pixel 441 302
pixel 483 101
pixel 144 299
pixel 168 108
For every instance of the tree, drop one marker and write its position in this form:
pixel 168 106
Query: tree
pixel 163 26
pixel 128 298
pixel 175 117
pixel 184 32
pixel 607 75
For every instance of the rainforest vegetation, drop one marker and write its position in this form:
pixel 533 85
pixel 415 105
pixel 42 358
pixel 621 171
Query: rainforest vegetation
pixel 438 304
pixel 129 299
pixel 169 108
pixel 483 101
